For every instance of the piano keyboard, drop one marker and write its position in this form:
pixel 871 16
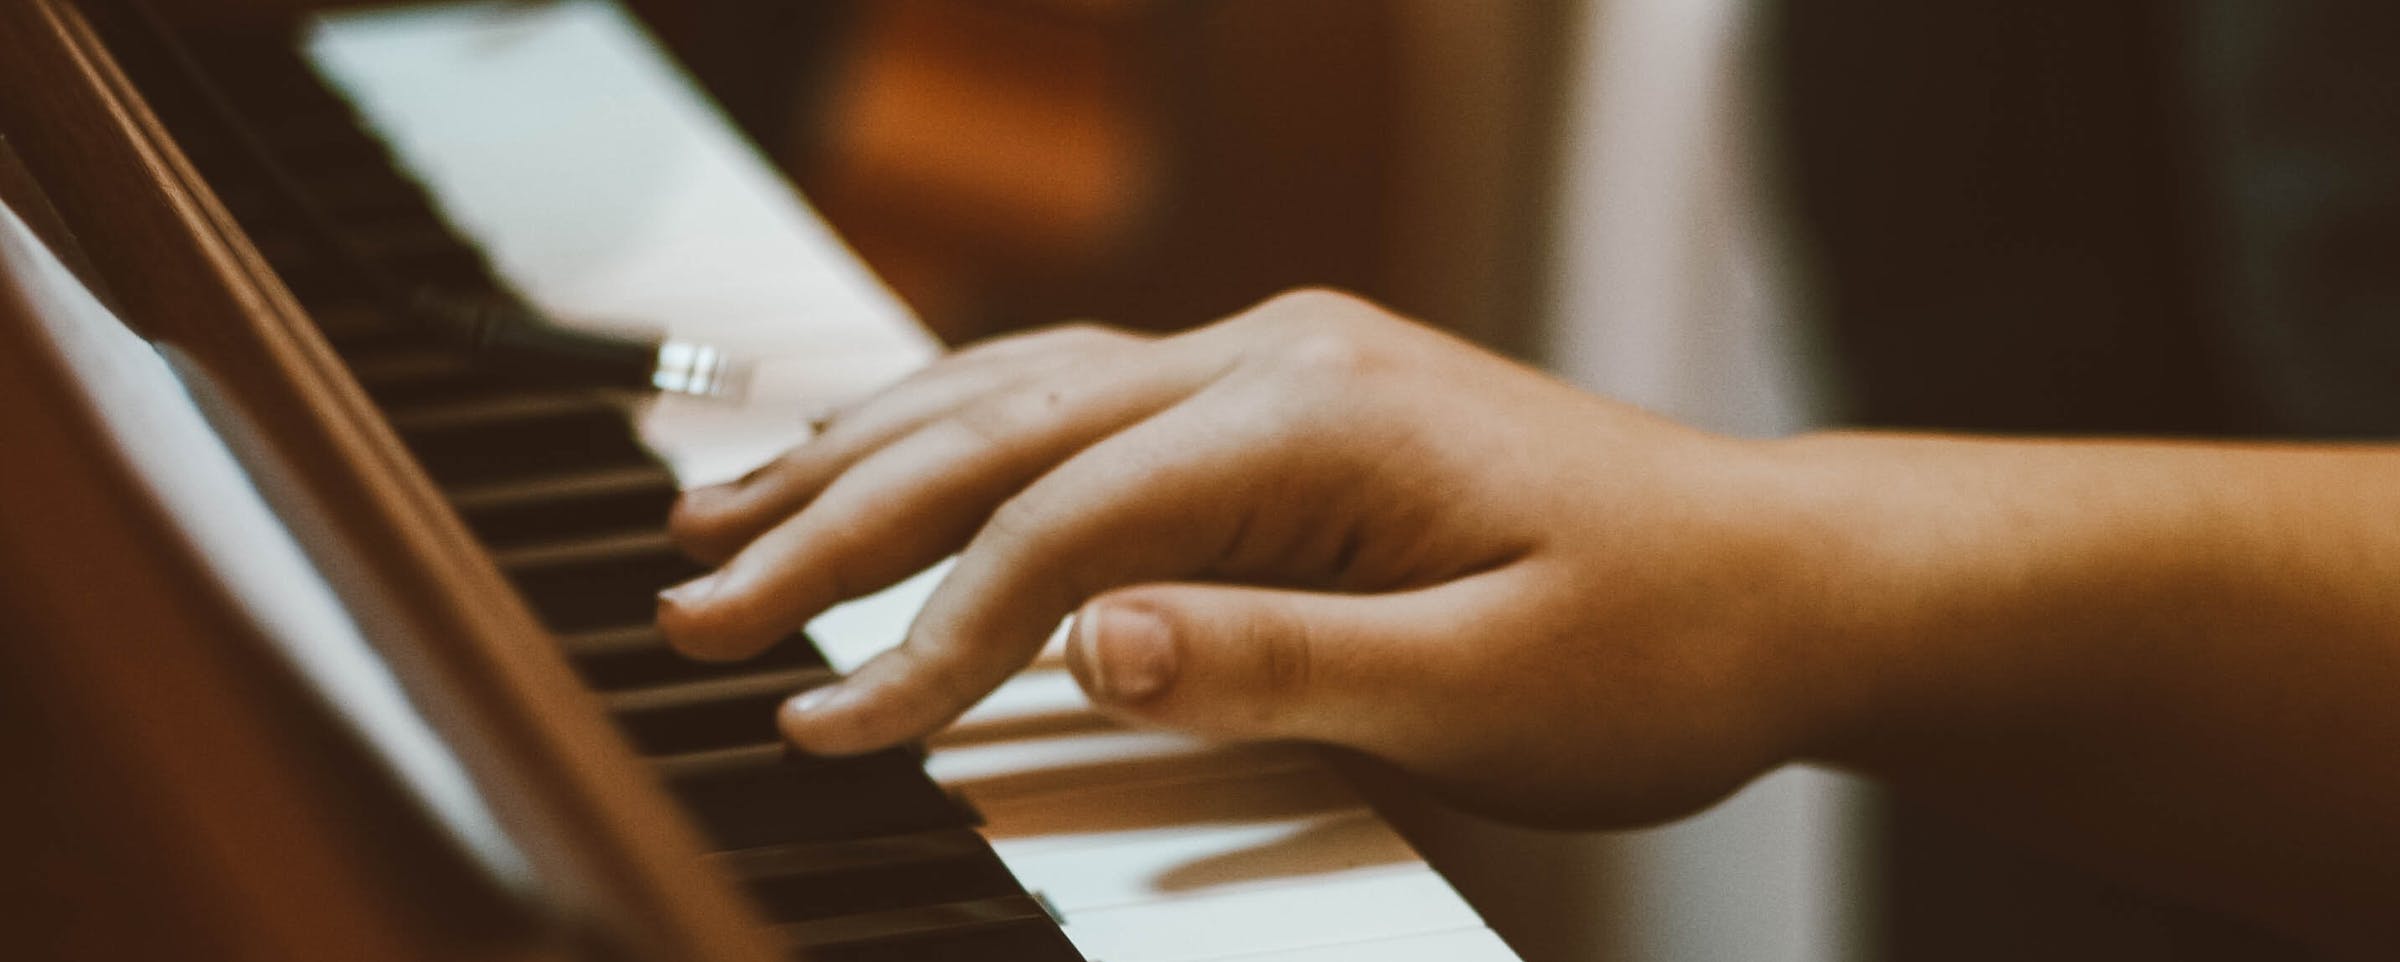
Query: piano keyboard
pixel 1031 830
pixel 854 860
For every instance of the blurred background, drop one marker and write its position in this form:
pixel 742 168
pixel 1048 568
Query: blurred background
pixel 1757 216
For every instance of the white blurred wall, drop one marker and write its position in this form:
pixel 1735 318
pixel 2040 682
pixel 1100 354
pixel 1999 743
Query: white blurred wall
pixel 1671 287
pixel 1675 289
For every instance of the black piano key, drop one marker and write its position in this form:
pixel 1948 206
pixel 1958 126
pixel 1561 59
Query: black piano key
pixel 452 269
pixel 369 192
pixel 509 411
pixel 414 372
pixel 603 590
pixel 1000 930
pixel 1031 940
pixel 262 70
pixel 826 859
pixel 697 716
pixel 660 666
pixel 560 506
pixel 551 443
pixel 315 280
pixel 940 918
pixel 818 800
pixel 966 877
pixel 321 141
pixel 366 193
pixel 355 326
pixel 634 656
pixel 415 247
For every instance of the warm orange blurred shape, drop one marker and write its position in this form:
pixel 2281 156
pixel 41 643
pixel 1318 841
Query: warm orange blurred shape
pixel 963 140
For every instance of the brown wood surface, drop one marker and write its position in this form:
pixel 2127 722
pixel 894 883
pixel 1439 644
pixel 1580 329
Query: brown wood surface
pixel 489 677
pixel 172 796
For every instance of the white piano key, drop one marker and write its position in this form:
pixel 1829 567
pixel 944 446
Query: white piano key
pixel 1201 860
pixel 1056 763
pixel 1121 813
pixel 1034 703
pixel 1462 945
pixel 1219 925
pixel 852 632
pixel 653 209
pixel 855 631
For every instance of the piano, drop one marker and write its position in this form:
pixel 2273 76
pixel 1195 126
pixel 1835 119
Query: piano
pixel 329 636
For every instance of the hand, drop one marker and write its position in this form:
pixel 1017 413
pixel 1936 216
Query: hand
pixel 1311 521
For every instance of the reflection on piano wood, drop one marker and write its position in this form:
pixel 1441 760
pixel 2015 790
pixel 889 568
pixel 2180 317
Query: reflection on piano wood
pixel 1031 830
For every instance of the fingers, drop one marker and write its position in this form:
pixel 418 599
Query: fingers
pixel 1155 502
pixel 713 523
pixel 1237 662
pixel 913 502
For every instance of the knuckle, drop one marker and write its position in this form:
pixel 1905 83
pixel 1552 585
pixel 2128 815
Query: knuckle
pixel 1300 308
pixel 1018 521
pixel 1316 375
pixel 941 681
pixel 1285 666
pixel 702 535
pixel 1011 415
pixel 1035 531
pixel 1077 333
pixel 1318 302
pixel 1072 336
pixel 1327 355
pixel 828 560
pixel 1316 335
pixel 949 686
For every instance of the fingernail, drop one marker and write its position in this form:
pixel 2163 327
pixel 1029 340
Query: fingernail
pixel 691 593
pixel 812 701
pixel 699 502
pixel 1131 650
pixel 1080 658
pixel 801 712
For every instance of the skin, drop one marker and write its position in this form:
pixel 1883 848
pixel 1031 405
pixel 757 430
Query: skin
pixel 2178 662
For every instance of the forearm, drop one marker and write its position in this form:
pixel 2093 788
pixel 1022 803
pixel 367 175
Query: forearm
pixel 2179 661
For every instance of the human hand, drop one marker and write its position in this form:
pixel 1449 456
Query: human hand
pixel 1312 521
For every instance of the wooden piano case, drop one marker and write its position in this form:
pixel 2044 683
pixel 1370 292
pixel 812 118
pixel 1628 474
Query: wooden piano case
pixel 173 794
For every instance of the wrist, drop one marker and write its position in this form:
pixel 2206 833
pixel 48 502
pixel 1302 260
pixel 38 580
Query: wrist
pixel 1964 591
pixel 1817 638
pixel 1791 594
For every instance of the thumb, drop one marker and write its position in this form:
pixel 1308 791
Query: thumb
pixel 1237 662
